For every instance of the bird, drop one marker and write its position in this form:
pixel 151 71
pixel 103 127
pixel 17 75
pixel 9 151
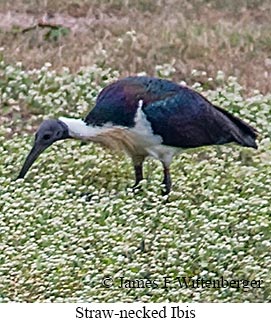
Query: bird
pixel 144 117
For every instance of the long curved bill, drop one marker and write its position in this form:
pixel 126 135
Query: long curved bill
pixel 32 156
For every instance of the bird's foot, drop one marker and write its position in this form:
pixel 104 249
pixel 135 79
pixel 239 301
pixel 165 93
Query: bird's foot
pixel 137 187
pixel 87 195
pixel 165 191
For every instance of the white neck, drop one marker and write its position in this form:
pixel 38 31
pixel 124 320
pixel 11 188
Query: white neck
pixel 80 130
pixel 113 137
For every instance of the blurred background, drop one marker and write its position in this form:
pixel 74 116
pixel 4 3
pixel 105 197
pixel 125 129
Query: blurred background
pixel 173 37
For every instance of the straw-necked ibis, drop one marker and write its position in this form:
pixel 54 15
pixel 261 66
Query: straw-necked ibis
pixel 147 116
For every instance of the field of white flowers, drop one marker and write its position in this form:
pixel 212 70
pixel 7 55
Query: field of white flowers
pixel 73 220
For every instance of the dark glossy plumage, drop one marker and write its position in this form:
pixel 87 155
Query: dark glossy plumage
pixel 181 116
pixel 118 102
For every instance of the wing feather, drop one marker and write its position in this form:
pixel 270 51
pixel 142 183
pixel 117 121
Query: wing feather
pixel 188 120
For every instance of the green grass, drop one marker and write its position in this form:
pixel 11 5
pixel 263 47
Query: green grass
pixel 74 220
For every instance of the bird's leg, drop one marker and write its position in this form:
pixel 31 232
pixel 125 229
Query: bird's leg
pixel 166 180
pixel 138 167
pixel 138 174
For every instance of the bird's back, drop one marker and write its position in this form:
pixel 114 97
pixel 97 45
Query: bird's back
pixel 118 102
pixel 182 117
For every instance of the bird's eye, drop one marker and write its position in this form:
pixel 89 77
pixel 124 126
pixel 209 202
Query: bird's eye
pixel 46 137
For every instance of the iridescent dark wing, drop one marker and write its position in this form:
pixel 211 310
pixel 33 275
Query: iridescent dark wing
pixel 188 120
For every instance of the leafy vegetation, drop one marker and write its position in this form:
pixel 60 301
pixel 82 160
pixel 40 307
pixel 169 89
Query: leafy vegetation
pixel 74 220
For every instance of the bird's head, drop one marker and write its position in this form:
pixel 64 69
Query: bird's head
pixel 48 132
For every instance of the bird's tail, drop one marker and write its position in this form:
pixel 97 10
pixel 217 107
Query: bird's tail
pixel 243 133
